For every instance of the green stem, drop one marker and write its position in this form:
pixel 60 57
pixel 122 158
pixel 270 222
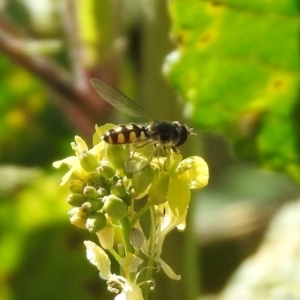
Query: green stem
pixel 152 238
pixel 140 213
pixel 191 274
pixel 125 224
pixel 115 254
pixel 147 285
pixel 152 235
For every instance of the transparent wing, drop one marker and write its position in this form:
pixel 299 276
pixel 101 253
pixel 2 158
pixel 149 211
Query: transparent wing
pixel 140 155
pixel 118 99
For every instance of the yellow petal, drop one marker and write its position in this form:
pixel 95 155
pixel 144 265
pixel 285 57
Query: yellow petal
pixel 106 237
pixel 167 269
pixel 130 263
pixel 159 188
pixel 99 258
pixel 179 194
pixel 197 170
pixel 67 161
pixel 81 144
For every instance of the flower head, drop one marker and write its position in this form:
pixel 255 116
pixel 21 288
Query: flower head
pixel 103 199
pixel 84 161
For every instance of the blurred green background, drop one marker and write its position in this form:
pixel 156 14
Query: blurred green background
pixel 228 68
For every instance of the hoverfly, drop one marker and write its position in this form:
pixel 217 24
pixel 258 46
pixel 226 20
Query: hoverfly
pixel 147 140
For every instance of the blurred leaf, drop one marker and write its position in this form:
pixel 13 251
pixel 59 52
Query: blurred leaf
pixel 33 130
pixel 16 177
pixel 40 251
pixel 96 33
pixel 237 64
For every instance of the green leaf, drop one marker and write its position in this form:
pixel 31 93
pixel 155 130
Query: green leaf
pixel 237 63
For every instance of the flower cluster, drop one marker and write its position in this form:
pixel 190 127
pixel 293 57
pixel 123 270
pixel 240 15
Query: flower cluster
pixel 104 199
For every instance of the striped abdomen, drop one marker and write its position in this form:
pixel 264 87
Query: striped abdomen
pixel 125 134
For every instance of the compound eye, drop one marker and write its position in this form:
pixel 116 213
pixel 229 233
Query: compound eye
pixel 183 135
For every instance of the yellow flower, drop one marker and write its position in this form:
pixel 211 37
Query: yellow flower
pixel 191 173
pixel 103 194
pixel 85 158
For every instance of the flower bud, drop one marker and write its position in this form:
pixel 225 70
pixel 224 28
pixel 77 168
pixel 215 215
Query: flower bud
pixel 136 238
pixel 77 217
pixel 103 192
pixel 92 205
pixel 95 179
pixel 159 188
pixel 115 207
pixel 77 186
pixel 90 192
pixel 95 222
pixel 88 161
pixel 76 199
pixel 106 169
pixel 116 155
pixel 118 189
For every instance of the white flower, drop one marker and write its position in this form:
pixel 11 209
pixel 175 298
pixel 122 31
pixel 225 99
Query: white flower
pixel 130 291
pixel 166 223
pixel 126 288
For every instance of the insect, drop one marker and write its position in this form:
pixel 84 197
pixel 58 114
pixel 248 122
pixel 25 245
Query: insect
pixel 145 140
